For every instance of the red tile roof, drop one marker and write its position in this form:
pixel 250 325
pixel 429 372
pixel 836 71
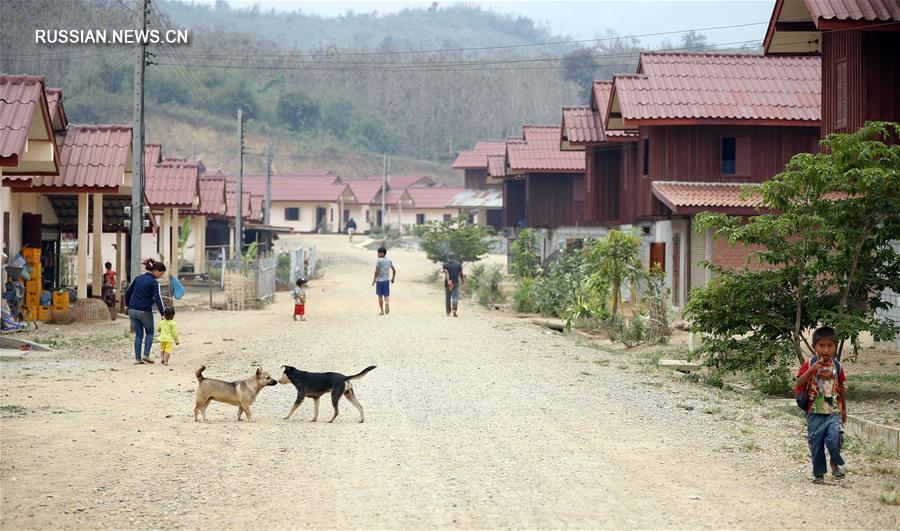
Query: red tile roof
pixel 152 155
pixel 256 207
pixel 540 152
pixel 312 186
pixel 581 125
pixel 868 10
pixel 600 95
pixel 497 165
pixel 20 98
pixel 93 156
pixel 476 158
pixel 687 87
pixel 230 200
pixel 365 190
pixel 172 184
pixel 57 111
pixel 433 196
pixel 212 194
pixel 693 197
pixel 395 196
pixel 407 181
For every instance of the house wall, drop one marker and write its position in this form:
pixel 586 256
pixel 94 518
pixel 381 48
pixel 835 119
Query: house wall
pixel 307 221
pixel 872 76
pixel 693 153
pixel 549 200
pixel 409 214
pixel 476 179
pixel 603 177
pixel 513 202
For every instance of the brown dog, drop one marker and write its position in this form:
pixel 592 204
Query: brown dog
pixel 240 394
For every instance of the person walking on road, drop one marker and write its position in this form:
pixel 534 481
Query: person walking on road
pixel 385 274
pixel 139 298
pixel 351 229
pixel 453 277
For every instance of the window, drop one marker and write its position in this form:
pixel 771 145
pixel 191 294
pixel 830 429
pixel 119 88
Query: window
pixel 840 93
pixel 292 214
pixel 368 215
pixel 646 156
pixel 420 219
pixel 729 155
pixel 447 217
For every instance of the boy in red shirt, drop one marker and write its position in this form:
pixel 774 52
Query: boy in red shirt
pixel 826 411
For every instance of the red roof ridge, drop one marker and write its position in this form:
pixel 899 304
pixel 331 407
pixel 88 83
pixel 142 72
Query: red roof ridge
pixel 104 127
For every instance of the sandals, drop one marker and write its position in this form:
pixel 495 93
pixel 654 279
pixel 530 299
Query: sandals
pixel 146 360
pixel 838 472
pixel 819 480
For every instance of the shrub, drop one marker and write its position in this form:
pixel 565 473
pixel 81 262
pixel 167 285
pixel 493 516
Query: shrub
pixel 468 241
pixel 473 279
pixel 776 381
pixel 283 268
pixel 526 261
pixel 524 296
pixel 630 332
pixel 489 290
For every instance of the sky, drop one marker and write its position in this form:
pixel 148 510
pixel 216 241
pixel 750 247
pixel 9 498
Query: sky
pixel 585 19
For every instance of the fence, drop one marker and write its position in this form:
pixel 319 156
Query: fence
pixel 303 263
pixel 249 284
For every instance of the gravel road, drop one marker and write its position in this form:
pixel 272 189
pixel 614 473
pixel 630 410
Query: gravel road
pixel 480 421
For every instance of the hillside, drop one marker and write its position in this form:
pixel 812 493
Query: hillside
pixel 413 29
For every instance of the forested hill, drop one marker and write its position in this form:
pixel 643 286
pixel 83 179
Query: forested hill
pixel 453 26
pixel 328 92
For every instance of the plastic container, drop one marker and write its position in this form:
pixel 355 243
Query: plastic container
pixel 32 255
pixel 44 314
pixel 61 300
pixel 32 299
pixel 33 286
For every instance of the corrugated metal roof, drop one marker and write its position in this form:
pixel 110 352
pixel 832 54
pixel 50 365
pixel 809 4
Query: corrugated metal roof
pixel 20 97
pixel 365 190
pixel 212 194
pixel 868 10
pixel 581 125
pixel 492 198
pixel 540 152
pixel 476 158
pixel 698 86
pixel 92 156
pixel 433 196
pixel 678 195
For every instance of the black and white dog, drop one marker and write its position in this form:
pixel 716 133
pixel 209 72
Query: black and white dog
pixel 316 384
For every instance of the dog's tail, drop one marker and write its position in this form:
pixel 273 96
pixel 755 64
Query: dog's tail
pixel 361 374
pixel 199 373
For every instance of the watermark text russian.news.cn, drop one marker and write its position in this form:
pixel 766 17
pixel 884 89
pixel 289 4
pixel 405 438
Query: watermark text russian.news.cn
pixel 116 36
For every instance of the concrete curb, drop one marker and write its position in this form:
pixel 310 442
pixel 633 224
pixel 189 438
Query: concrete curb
pixel 862 429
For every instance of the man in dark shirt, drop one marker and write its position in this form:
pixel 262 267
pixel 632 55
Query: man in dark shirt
pixel 453 277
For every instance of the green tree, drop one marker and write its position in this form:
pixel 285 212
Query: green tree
pixel 826 236
pixel 298 110
pixel 615 259
pixel 467 240
pixel 581 67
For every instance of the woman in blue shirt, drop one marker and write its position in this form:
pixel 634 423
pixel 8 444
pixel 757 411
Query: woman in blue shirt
pixel 140 297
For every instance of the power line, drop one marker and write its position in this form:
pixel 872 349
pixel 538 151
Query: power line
pixel 113 66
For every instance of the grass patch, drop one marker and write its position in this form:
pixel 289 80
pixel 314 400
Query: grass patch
pixel 601 362
pixel 883 469
pixel 715 410
pixel 885 378
pixel 751 446
pixel 13 411
pixel 890 496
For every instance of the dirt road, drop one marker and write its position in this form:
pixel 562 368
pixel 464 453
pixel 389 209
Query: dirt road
pixel 479 421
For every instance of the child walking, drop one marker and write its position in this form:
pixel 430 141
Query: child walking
pixel 299 296
pixel 820 392
pixel 384 277
pixel 168 334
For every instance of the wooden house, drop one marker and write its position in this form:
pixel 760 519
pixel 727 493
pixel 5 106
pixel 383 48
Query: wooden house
pixel 474 164
pixel 858 42
pixel 707 123
pixel 543 186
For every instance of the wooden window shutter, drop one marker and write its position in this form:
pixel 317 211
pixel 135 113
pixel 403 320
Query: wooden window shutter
pixel 743 166
pixel 840 93
pixel 658 255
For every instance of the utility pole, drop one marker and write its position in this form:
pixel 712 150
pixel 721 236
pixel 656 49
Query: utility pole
pixel 383 188
pixel 268 205
pixel 137 153
pixel 239 188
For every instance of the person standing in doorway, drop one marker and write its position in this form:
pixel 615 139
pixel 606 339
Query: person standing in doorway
pixel 385 274
pixel 140 297
pixel 351 229
pixel 453 277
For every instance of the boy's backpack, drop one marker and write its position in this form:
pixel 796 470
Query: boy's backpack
pixel 802 397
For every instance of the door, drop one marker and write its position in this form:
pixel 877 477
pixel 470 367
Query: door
pixel 320 217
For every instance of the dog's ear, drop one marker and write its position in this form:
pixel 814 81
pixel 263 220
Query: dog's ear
pixel 258 371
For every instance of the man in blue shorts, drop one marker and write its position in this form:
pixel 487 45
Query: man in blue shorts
pixel 384 277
